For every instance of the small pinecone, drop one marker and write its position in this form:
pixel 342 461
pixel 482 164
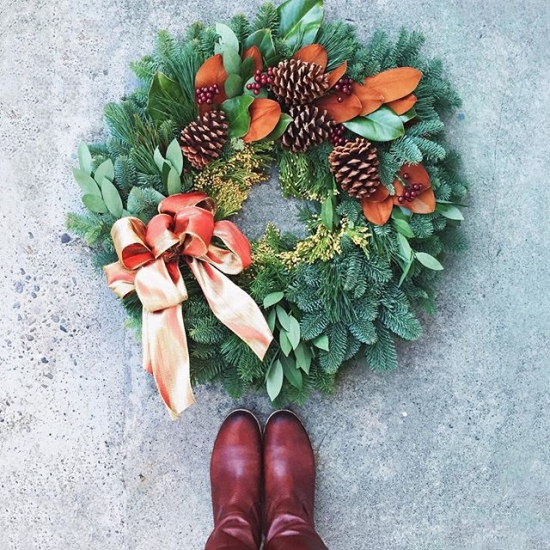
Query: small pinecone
pixel 297 82
pixel 355 166
pixel 310 126
pixel 203 139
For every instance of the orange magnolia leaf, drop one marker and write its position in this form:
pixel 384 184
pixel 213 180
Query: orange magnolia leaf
pixel 411 174
pixel 423 204
pixel 256 55
pixel 377 212
pixel 314 53
pixel 370 98
pixel 414 173
pixel 401 106
pixel 348 108
pixel 395 83
pixel 337 74
pixel 264 116
pixel 212 72
pixel 380 194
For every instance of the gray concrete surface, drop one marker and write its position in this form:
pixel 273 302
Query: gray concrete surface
pixel 449 452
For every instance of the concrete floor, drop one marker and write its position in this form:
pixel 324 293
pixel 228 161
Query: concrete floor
pixel 450 451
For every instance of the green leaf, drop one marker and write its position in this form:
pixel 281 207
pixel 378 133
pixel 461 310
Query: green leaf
pixel 294 332
pixel 105 170
pixel 159 159
pixel 95 204
pixel 111 197
pixel 175 156
pixel 264 40
pixel 382 125
pixel 233 85
pixel 328 214
pixel 286 346
pixel 237 113
pixel 300 21
pixel 173 183
pixel 292 373
pixel 84 158
pixel 404 248
pixel 273 298
pixel 403 227
pixel 428 261
pixel 228 39
pixel 321 342
pixel 450 211
pixel 409 115
pixel 406 266
pixel 86 183
pixel 271 318
pixel 163 90
pixel 274 379
pixel 303 357
pixel 247 67
pixel 283 317
pixel 280 129
pixel 232 61
pixel 262 95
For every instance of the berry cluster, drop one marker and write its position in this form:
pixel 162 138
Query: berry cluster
pixel 337 136
pixel 411 191
pixel 261 80
pixel 206 94
pixel 343 86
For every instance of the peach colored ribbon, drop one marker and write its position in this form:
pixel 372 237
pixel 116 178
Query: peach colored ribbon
pixel 149 264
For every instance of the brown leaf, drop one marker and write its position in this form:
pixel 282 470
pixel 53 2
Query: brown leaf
pixel 370 98
pixel 256 55
pixel 401 106
pixel 377 212
pixel 264 116
pixel 395 83
pixel 425 202
pixel 314 53
pixel 416 174
pixel 337 74
pixel 349 108
pixel 212 72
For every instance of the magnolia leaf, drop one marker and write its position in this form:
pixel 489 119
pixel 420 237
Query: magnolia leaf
pixel 237 113
pixel 321 342
pixel 247 66
pixel 273 298
pixel 159 159
pixel 252 60
pixel 263 40
pixel 283 317
pixel 292 373
pixel 175 156
pixel 163 90
pixel 228 39
pixel 274 379
pixel 395 83
pixel 173 183
pixel 86 183
pixel 450 211
pixel 233 85
pixel 300 21
pixel 427 260
pixel 280 129
pixel 404 105
pixel 403 227
pixel 303 357
pixel 111 197
pixel 271 318
pixel 405 250
pixel 232 61
pixel 264 116
pixel 382 125
pixel 284 341
pixel 294 332
pixel 95 204
pixel 105 170
pixel 314 53
pixel 341 107
pixel 370 99
pixel 84 158
pixel 409 115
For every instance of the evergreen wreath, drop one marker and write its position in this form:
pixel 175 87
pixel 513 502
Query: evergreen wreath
pixel 356 132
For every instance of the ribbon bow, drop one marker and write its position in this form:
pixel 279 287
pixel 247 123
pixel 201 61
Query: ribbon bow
pixel 149 264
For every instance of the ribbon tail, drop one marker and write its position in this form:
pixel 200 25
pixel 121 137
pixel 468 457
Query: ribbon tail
pixel 233 307
pixel 166 355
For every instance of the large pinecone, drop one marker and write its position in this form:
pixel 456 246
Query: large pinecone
pixel 298 82
pixel 203 139
pixel 355 166
pixel 310 126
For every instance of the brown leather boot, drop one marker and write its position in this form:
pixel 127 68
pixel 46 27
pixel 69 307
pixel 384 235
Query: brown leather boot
pixel 289 481
pixel 236 479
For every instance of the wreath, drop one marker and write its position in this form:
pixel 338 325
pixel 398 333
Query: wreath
pixel 356 133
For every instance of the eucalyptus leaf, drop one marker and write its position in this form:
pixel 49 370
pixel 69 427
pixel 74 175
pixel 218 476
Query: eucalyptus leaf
pixel 173 183
pixel 271 318
pixel 233 85
pixel 274 379
pixel 111 197
pixel 406 268
pixel 280 129
pixel 321 342
pixel 382 125
pixel 175 156
pixel 163 91
pixel 164 173
pixel 273 298
pixel 428 261
pixel 303 357
pixel 232 61
pixel 405 250
pixel 159 159
pixel 294 332
pixel 263 39
pixel 328 213
pixel 95 204
pixel 283 317
pixel 228 38
pixel 84 158
pixel 237 113
pixel 105 170
pixel 403 227
pixel 286 346
pixel 86 183
pixel 300 21
pixel 450 211
pixel 292 373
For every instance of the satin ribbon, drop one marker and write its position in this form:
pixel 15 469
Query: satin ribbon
pixel 149 264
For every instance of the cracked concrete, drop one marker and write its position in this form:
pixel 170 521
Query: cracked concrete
pixel 450 451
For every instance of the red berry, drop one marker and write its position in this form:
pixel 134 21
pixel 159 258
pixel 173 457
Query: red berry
pixel 406 176
pixel 340 99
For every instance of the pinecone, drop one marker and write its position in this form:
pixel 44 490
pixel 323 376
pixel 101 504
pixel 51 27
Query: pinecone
pixel 355 166
pixel 203 139
pixel 310 126
pixel 297 82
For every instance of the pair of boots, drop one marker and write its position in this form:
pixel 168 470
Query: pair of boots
pixel 281 466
